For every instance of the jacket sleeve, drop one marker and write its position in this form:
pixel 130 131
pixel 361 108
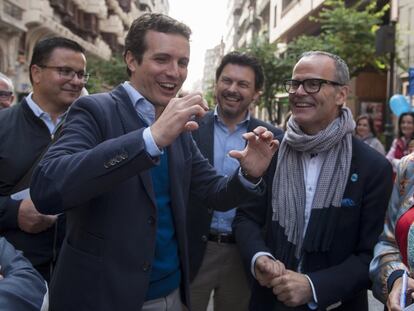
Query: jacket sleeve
pixel 351 275
pixel 22 287
pixel 8 213
pixel 87 160
pixel 386 253
pixel 249 224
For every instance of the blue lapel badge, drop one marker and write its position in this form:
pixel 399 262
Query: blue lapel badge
pixel 354 177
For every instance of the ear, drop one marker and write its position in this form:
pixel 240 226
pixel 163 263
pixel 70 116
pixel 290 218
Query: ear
pixel 36 73
pixel 130 61
pixel 257 95
pixel 342 95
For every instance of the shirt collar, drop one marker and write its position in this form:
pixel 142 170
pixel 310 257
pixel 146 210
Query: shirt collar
pixel 241 123
pixel 144 108
pixel 34 107
pixel 38 112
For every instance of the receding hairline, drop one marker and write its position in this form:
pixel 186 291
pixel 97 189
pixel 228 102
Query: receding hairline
pixel 8 81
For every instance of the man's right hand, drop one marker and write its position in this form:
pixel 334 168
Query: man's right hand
pixel 266 269
pixel 30 220
pixel 177 117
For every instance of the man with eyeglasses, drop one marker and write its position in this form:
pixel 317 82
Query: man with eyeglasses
pixel 58 74
pixel 6 91
pixel 327 198
pixel 123 171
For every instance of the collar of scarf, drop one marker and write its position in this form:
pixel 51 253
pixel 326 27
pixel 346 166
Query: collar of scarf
pixel 288 190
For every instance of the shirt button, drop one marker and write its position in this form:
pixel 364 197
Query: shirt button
pixel 204 238
pixel 151 220
pixel 146 266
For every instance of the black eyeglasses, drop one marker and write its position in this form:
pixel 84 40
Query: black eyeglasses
pixel 5 94
pixel 68 73
pixel 311 86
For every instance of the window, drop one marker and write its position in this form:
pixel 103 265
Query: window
pixel 275 16
pixel 287 5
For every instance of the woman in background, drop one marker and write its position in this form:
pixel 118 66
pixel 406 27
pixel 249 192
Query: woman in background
pixel 365 131
pixel 399 147
pixel 394 252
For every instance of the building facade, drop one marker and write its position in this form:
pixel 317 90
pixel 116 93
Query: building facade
pixel 99 26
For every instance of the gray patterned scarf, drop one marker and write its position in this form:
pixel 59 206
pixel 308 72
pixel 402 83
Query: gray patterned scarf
pixel 288 191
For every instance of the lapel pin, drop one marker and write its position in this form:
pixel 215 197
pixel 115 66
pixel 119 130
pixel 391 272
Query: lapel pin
pixel 354 177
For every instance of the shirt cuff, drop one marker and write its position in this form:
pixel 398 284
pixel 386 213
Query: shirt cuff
pixel 248 184
pixel 253 261
pixel 150 145
pixel 313 305
pixel 393 277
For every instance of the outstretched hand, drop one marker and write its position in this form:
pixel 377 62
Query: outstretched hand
pixel 260 148
pixel 177 117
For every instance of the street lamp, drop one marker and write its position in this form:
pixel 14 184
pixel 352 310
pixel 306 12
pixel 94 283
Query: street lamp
pixel 385 43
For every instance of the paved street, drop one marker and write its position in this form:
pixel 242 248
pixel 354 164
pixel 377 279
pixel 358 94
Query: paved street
pixel 374 304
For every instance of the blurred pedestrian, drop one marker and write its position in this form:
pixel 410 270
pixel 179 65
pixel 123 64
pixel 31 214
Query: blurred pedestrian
pixel 326 201
pixel 399 147
pixel 394 252
pixel 123 170
pixel 6 91
pixel 57 73
pixel 365 131
pixel 212 247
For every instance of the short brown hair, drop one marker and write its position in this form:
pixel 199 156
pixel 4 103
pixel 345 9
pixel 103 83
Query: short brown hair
pixel 135 40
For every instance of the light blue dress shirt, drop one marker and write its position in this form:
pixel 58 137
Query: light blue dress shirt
pixel 44 116
pixel 224 141
pixel 146 112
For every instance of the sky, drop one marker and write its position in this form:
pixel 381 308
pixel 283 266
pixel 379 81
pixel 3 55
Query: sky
pixel 207 20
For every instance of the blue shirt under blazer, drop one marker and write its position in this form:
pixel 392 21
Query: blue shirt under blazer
pixel 199 213
pixel 98 173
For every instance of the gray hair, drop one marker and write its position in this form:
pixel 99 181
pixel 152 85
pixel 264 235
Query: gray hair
pixel 341 72
pixel 8 81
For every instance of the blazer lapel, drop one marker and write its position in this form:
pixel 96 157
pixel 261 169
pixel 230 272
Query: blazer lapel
pixel 131 122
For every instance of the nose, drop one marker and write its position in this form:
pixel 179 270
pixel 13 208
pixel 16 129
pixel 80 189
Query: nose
pixel 173 69
pixel 76 80
pixel 301 90
pixel 232 87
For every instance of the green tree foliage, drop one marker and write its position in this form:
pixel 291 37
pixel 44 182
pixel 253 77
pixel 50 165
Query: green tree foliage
pixel 105 75
pixel 346 31
pixel 276 70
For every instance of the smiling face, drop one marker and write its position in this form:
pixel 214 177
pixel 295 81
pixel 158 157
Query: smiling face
pixel 6 98
pixel 362 128
pixel 314 112
pixel 407 126
pixel 163 68
pixel 51 91
pixel 235 91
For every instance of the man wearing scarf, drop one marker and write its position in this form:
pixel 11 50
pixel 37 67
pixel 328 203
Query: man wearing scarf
pixel 310 242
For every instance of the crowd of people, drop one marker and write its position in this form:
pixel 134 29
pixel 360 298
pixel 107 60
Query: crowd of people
pixel 139 199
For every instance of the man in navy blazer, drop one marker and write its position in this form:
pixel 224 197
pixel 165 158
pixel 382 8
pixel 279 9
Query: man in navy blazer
pixel 212 248
pixel 123 171
pixel 310 242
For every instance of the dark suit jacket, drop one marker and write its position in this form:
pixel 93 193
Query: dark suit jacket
pixel 338 243
pixel 199 213
pixel 98 172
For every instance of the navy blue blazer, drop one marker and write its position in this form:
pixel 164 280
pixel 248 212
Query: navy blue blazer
pixel 338 243
pixel 98 173
pixel 199 213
